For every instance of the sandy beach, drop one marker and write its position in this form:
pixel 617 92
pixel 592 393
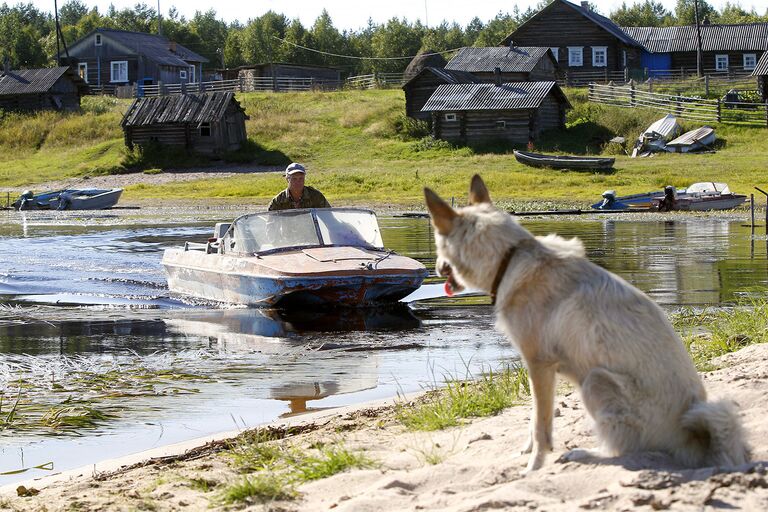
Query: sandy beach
pixel 469 468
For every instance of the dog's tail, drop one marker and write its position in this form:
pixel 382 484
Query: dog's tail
pixel 715 434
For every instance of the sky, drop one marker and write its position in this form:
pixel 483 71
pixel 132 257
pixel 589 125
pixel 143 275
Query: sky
pixel 354 14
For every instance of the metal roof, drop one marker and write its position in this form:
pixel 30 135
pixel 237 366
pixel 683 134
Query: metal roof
pixel 762 66
pixel 33 81
pixel 600 20
pixel 184 108
pixel 447 76
pixel 515 59
pixel 508 96
pixel 741 37
pixel 152 46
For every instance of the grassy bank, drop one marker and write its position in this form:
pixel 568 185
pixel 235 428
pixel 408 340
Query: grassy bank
pixel 360 150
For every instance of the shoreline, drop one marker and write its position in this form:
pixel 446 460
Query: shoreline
pixel 470 467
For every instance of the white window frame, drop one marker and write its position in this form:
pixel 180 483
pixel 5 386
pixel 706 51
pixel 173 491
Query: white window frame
pixel 119 64
pixel 450 117
pixel 182 74
pixel 573 53
pixel 555 53
pixel 753 64
pixel 97 40
pixel 501 125
pixel 205 127
pixel 719 60
pixel 599 50
pixel 82 70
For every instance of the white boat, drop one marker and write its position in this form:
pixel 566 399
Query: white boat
pixel 69 199
pixel 324 256
pixel 702 196
pixel 694 140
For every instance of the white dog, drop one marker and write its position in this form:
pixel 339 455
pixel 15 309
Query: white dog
pixel 565 314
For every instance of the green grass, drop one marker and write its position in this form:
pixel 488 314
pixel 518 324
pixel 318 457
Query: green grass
pixel 447 407
pixel 711 333
pixel 359 150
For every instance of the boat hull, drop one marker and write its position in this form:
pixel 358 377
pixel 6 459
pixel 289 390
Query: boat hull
pixel 562 162
pixel 241 280
pixel 87 199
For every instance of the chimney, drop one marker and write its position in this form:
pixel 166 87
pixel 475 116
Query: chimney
pixel 172 46
pixel 497 76
pixel 585 4
pixel 6 64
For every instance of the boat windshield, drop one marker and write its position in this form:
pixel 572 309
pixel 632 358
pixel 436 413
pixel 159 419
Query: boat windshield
pixel 707 188
pixel 261 232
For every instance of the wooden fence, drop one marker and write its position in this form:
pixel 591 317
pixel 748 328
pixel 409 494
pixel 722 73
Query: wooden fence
pixel 684 107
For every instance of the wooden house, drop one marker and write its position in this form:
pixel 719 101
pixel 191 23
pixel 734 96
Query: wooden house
pixel 41 89
pixel 209 123
pixel 419 88
pixel 512 63
pixel 761 73
pixel 579 38
pixel 515 112
pixel 725 48
pixel 107 58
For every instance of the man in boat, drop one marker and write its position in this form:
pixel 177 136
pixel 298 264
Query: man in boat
pixel 297 195
pixel 669 202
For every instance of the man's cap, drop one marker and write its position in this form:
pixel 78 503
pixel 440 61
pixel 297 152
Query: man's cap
pixel 295 168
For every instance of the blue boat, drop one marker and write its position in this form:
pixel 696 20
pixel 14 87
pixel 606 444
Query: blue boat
pixel 324 256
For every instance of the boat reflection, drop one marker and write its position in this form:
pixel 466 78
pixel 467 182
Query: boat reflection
pixel 303 368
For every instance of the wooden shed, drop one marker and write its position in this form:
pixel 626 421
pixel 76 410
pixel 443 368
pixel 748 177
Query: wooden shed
pixel 41 89
pixel 419 88
pixel 515 112
pixel 511 63
pixel 761 73
pixel 204 123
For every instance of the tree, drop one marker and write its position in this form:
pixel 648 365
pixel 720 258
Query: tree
pixel 324 37
pixel 258 41
pixel 72 12
pixel 396 39
pixel 19 40
pixel 496 30
pixel 642 14
pixel 211 34
pixel 685 13
pixel 141 18
pixel 734 13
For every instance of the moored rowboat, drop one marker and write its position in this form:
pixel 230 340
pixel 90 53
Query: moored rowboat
pixel 563 162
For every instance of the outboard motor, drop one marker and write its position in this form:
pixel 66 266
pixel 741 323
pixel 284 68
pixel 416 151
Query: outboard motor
pixel 24 200
pixel 609 200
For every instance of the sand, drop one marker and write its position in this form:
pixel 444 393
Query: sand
pixel 473 467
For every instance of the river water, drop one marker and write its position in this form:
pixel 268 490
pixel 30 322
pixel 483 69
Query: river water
pixel 85 292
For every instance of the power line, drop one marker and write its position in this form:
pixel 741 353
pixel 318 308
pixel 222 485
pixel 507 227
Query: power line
pixel 360 58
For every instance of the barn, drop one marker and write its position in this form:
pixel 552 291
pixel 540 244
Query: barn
pixel 41 89
pixel 514 112
pixel 209 124
pixel 419 88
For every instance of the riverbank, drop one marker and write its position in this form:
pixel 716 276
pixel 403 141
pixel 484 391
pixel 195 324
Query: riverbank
pixel 470 467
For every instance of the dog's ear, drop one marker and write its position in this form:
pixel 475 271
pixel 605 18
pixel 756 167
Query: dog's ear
pixel 441 213
pixel 478 193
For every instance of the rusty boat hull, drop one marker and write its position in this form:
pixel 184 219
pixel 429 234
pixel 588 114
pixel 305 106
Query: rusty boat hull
pixel 323 276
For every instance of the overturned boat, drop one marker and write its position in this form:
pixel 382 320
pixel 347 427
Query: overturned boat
pixel 702 196
pixel 694 140
pixel 324 256
pixel 656 136
pixel 69 199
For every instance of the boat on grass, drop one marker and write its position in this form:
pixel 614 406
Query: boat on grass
pixel 69 199
pixel 563 162
pixel 656 136
pixel 323 256
pixel 694 140
pixel 702 196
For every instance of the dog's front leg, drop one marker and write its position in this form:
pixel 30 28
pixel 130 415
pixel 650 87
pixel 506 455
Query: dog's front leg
pixel 542 378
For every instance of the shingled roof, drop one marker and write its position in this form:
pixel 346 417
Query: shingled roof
pixel 737 37
pixel 152 46
pixel 520 59
pixel 508 96
pixel 762 66
pixel 34 81
pixel 447 76
pixel 185 108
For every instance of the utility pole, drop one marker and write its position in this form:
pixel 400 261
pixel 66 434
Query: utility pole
pixel 699 58
pixel 159 20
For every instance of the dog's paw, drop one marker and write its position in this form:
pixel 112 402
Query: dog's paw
pixel 527 447
pixel 577 455
pixel 536 461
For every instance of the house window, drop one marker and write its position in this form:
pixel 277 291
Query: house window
pixel 450 117
pixel 750 61
pixel 555 53
pixel 501 125
pixel 82 70
pixel 183 74
pixel 599 56
pixel 721 62
pixel 575 55
pixel 118 71
pixel 98 40
pixel 205 129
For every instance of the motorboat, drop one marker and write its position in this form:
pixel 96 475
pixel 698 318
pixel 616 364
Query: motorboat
pixel 563 162
pixel 702 196
pixel 316 256
pixel 69 199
